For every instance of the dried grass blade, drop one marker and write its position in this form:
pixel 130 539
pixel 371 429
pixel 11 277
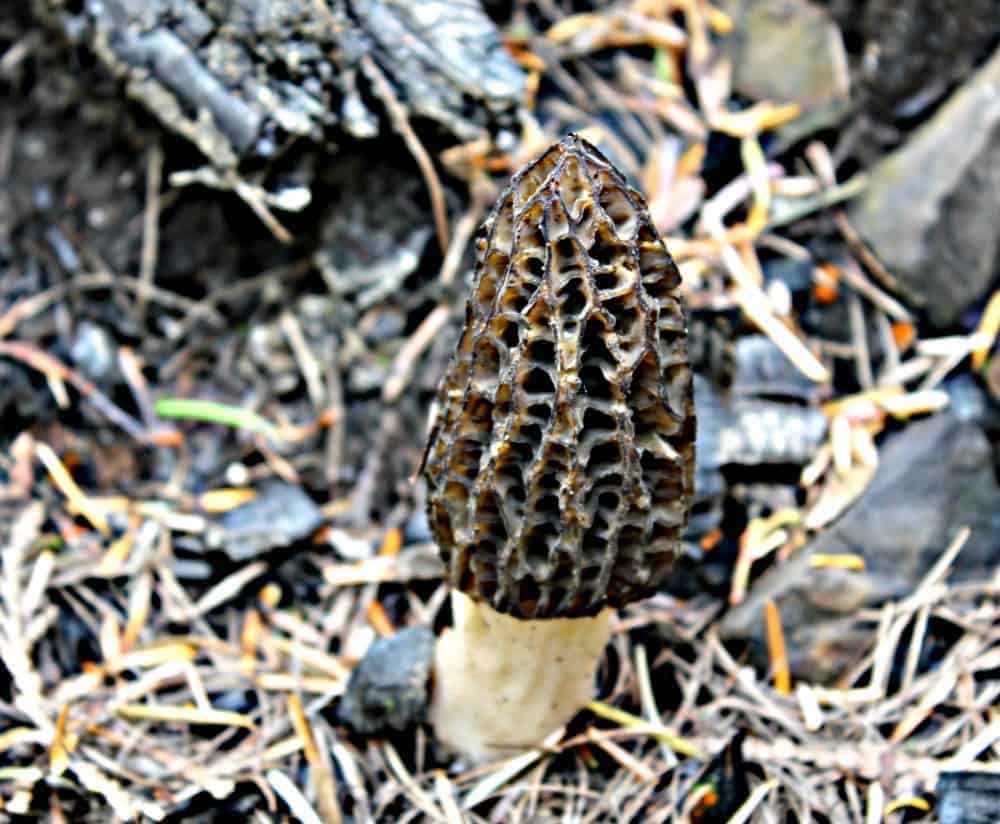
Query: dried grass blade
pixel 915 403
pixel 445 792
pixel 319 660
pixel 755 305
pixel 505 772
pixel 228 588
pixel 41 574
pixel 966 756
pixel 124 806
pixel 184 715
pixel 812 715
pixel 70 489
pixel 416 793
pixel 323 783
pixel 293 797
pixel 987 331
pixel 401 123
pixel 935 694
pixel 354 780
pixel 678 744
pixel 742 815
pixel 648 700
pixel 622 756
pixel 283 682
pixel 138 609
pixel 876 803
pixel 60 747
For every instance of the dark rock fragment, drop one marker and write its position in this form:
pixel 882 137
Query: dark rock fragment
pixel 786 51
pixel 763 370
pixel 281 515
pixel 388 689
pixel 750 432
pixel 934 478
pixel 931 208
pixel 968 797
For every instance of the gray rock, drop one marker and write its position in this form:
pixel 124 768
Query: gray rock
pixel 280 515
pixel 967 401
pixel 786 51
pixel 93 351
pixel 744 431
pixel 933 478
pixel 931 208
pixel 388 689
pixel 750 432
pixel 968 797
pixel 762 369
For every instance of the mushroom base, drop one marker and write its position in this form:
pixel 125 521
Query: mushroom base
pixel 502 684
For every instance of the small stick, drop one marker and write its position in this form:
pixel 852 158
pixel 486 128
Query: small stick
pixel 150 228
pixel 860 248
pixel 401 123
pixel 402 366
pixel 859 336
pixel 308 365
pixel 49 366
pixel 855 278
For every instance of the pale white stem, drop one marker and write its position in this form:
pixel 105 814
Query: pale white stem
pixel 502 684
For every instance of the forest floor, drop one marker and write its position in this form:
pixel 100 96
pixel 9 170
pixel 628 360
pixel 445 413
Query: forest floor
pixel 216 376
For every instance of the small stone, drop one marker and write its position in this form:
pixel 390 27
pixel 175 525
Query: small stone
pixel 968 797
pixel 968 401
pixel 763 370
pixel 280 515
pixel 93 351
pixel 388 689
pixel 787 51
pixel 931 209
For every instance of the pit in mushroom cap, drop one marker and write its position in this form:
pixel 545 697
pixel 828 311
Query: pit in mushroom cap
pixel 561 466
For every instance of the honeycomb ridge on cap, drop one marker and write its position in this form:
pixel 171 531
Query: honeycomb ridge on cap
pixel 560 469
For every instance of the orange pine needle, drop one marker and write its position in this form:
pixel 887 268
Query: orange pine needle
pixel 58 751
pixel 826 289
pixel 904 334
pixel 691 161
pixel 170 438
pixel 250 639
pixel 776 646
pixel 710 540
pixel 225 499
pixel 270 595
pixel 839 561
pixel 989 328
pixel 391 543
pixel 526 59
pixel 379 619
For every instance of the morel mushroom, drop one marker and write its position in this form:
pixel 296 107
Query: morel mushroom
pixel 561 466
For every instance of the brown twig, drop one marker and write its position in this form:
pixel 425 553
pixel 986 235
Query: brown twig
pixel 401 122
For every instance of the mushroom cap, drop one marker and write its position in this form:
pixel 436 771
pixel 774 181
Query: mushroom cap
pixel 560 469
